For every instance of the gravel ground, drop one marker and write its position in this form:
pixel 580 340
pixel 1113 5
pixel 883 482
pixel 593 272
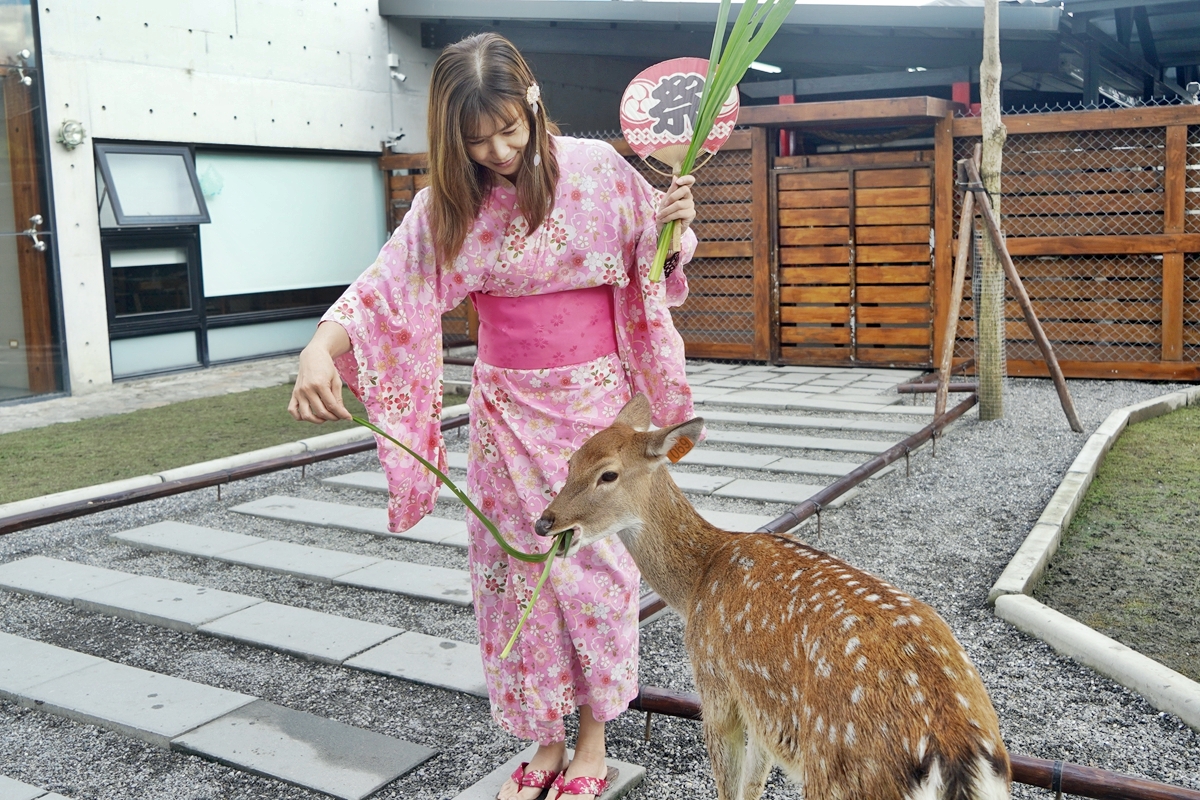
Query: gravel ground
pixel 943 534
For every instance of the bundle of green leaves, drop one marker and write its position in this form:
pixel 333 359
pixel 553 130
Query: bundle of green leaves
pixel 755 25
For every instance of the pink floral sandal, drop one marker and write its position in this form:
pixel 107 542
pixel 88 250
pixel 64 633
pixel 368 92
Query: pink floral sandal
pixel 584 785
pixel 534 778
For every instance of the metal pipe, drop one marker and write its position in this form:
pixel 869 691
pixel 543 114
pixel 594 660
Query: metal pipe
pixel 930 388
pixel 1073 779
pixel 79 508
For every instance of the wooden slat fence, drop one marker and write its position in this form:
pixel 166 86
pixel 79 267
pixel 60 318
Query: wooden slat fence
pixel 1101 212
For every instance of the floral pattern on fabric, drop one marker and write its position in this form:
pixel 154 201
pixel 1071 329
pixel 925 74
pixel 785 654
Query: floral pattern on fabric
pixel 580 643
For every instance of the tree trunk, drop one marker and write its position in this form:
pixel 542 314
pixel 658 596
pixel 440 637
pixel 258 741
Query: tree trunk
pixel 989 316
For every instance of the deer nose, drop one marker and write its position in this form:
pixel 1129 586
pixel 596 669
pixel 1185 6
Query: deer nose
pixel 545 525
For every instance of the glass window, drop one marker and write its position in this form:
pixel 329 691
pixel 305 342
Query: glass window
pixel 148 185
pixel 150 280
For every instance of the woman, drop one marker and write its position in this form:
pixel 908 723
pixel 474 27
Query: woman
pixel 552 240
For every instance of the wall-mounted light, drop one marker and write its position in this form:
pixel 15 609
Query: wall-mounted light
pixel 71 134
pixel 762 67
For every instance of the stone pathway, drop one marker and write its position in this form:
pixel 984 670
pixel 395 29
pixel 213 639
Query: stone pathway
pixel 230 727
pixel 757 462
pixel 15 790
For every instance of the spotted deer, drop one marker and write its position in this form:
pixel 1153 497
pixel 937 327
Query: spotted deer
pixel 854 688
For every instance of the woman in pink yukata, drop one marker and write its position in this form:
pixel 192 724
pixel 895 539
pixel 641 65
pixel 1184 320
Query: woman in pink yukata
pixel 552 239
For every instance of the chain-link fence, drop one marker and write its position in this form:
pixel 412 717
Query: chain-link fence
pixel 1191 307
pixel 1191 202
pixel 1094 308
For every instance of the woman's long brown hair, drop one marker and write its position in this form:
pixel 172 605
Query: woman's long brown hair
pixel 479 78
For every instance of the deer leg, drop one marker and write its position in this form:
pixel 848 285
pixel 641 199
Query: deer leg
pixel 725 738
pixel 755 769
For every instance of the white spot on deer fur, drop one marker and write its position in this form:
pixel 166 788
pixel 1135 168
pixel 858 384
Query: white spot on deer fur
pixel 849 737
pixel 820 724
pixel 963 701
pixel 922 746
pixel 951 674
pixel 795 698
pixel 888 606
pixel 909 649
pixel 797 574
pixel 918 697
pixel 848 622
pixel 860 590
pixel 915 619
pixel 872 598
pixel 823 669
pixel 856 696
pixel 832 734
pixel 852 645
pixel 911 678
pixel 899 622
pixel 861 664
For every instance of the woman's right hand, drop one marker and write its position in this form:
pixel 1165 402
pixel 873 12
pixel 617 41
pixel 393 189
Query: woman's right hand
pixel 317 395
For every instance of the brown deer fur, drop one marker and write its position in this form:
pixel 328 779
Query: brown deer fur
pixel 853 687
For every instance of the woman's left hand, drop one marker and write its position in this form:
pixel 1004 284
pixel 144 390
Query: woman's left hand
pixel 677 204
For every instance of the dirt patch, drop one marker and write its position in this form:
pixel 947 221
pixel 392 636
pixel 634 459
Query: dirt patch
pixel 1129 565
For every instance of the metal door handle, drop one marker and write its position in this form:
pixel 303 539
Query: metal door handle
pixel 32 233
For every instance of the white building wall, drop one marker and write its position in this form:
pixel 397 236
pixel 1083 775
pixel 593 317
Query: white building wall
pixel 270 73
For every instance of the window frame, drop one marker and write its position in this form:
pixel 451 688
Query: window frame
pixel 103 149
pixel 160 321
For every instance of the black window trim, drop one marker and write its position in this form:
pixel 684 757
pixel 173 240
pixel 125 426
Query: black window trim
pixel 124 221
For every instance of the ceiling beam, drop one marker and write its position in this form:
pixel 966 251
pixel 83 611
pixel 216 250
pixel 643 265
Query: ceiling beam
pixel 1085 6
pixel 1146 35
pixel 833 50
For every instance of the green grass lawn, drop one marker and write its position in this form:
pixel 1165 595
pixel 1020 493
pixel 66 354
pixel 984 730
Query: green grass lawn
pixel 70 455
pixel 1128 564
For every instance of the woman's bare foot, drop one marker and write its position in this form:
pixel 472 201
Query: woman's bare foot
pixel 551 757
pixel 590 763
pixel 589 757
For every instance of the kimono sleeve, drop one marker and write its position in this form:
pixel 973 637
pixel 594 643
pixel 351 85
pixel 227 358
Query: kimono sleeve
pixel 392 315
pixel 652 350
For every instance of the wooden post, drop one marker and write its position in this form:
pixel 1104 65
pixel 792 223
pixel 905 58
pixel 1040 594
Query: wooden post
pixel 966 238
pixel 1174 198
pixel 1035 327
pixel 760 215
pixel 943 225
pixel 989 309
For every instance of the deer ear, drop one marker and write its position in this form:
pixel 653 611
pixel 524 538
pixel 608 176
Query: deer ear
pixel 636 413
pixel 674 442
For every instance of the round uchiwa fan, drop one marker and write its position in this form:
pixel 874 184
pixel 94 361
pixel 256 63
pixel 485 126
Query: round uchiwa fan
pixel 659 110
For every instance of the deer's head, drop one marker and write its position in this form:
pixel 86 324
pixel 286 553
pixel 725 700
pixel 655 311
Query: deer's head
pixel 610 478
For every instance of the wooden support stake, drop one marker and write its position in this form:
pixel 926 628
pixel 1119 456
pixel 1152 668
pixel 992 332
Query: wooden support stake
pixel 966 225
pixel 1035 327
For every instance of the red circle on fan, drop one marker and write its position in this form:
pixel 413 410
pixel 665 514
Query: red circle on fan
pixel 660 105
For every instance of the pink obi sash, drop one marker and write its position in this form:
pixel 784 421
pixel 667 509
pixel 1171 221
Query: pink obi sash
pixel 546 330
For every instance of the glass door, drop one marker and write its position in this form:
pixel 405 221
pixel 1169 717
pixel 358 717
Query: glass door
pixel 29 352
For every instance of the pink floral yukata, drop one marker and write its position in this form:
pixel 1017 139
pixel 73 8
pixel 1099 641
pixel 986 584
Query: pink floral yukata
pixel 579 646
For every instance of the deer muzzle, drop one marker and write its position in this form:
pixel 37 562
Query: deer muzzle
pixel 545 525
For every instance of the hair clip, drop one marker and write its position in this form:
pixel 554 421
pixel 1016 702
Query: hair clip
pixel 532 95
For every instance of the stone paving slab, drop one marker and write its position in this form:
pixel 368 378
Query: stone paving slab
pixel 768 491
pixel 180 537
pixel 797 442
pixel 15 790
pixel 301 631
pixel 304 749
pixel 375 481
pixel 58 580
pixel 413 580
pixel 698 484
pixel 629 777
pixel 432 530
pixel 716 458
pixel 732 521
pixel 827 423
pixel 808 466
pixel 429 660
pixel 762 398
pixel 144 705
pixel 25 663
pixel 315 563
pixel 169 604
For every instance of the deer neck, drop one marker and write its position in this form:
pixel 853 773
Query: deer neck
pixel 674 543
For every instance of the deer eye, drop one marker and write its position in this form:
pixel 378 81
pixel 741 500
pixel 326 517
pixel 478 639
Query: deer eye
pixel 608 477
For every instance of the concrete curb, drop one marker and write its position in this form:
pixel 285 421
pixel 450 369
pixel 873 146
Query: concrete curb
pixel 311 444
pixel 1164 688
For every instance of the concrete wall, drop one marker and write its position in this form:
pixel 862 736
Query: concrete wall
pixel 263 73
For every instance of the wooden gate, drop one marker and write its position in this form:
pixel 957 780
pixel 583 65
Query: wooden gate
pixel 854 256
